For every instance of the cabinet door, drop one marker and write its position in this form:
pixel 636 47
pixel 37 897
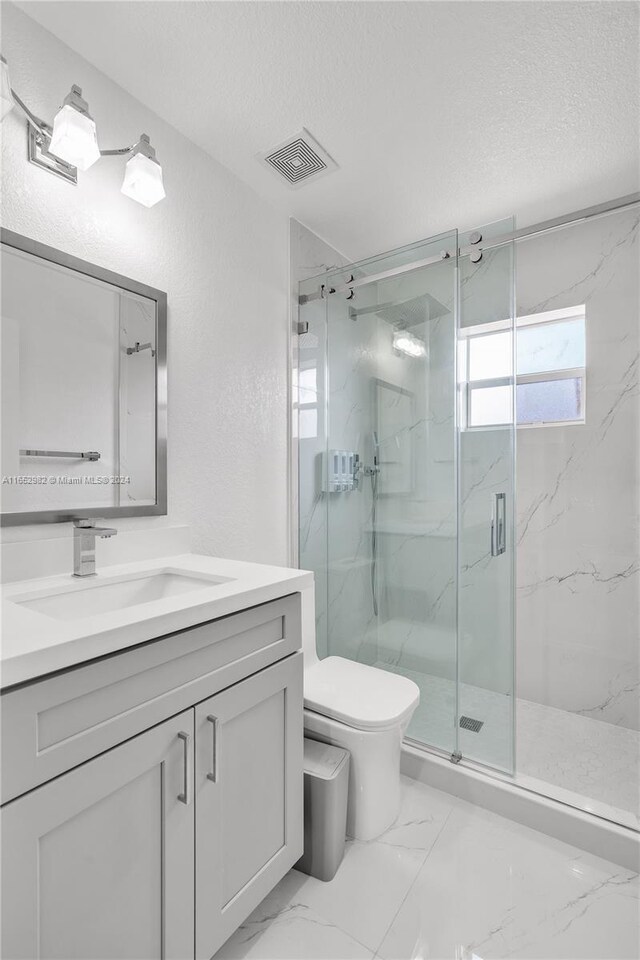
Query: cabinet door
pixel 99 862
pixel 248 797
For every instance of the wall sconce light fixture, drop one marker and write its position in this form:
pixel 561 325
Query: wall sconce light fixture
pixel 72 144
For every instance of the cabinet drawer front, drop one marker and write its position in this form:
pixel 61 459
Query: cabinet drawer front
pixel 54 724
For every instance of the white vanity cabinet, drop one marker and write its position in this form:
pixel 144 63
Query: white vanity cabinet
pixel 99 862
pixel 163 843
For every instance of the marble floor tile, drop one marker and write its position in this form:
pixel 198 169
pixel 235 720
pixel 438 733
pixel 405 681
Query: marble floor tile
pixel 283 928
pixel 492 888
pixel 368 889
pixel 375 877
pixel 454 882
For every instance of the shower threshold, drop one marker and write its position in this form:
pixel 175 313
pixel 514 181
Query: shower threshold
pixel 526 801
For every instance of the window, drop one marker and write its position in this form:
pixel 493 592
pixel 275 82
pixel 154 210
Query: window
pixel 550 370
pixel 306 387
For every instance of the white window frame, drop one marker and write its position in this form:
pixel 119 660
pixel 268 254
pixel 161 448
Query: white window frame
pixel 307 364
pixel 568 373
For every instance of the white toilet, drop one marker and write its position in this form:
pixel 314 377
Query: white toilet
pixel 366 711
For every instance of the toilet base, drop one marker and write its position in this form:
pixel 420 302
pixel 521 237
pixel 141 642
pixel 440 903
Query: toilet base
pixel 374 773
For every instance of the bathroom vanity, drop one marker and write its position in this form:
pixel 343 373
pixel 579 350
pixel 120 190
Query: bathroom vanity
pixel 151 755
pixel 152 721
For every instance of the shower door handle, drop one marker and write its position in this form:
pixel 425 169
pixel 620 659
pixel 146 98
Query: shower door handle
pixel 498 524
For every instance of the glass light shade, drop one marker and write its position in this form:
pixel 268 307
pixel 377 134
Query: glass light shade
pixel 143 180
pixel 405 342
pixel 6 100
pixel 74 138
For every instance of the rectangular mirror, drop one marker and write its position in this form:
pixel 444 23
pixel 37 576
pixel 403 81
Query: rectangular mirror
pixel 84 401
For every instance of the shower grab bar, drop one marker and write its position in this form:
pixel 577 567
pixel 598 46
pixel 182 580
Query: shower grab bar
pixel 498 525
pixel 86 455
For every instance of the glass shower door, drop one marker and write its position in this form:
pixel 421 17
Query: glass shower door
pixel 389 474
pixel 486 490
pixel 406 481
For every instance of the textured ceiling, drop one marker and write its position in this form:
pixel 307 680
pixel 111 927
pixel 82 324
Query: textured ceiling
pixel 439 114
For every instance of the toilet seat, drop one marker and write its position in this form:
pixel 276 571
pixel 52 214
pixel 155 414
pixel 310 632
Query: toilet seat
pixel 360 696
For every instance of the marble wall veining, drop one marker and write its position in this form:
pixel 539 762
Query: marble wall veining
pixel 578 587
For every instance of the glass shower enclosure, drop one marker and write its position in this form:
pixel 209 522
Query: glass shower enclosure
pixel 406 480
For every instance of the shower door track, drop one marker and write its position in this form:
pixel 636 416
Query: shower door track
pixel 556 223
pixel 536 229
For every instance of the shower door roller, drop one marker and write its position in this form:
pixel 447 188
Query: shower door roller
pixel 498 524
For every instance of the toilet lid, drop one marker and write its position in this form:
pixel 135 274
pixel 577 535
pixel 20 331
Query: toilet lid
pixel 363 697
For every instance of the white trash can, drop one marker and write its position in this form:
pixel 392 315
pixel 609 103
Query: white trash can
pixel 326 791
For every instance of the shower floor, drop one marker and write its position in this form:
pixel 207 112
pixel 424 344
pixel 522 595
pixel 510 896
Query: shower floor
pixel 576 759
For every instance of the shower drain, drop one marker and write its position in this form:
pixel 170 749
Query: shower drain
pixel 468 723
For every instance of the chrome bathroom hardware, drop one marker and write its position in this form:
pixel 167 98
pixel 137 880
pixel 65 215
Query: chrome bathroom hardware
pixel 213 776
pixel 185 796
pixel 85 455
pixel 139 347
pixel 577 216
pixel 498 525
pixel 84 545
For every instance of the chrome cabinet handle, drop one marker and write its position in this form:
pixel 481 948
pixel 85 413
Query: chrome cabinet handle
pixel 185 797
pixel 213 776
pixel 499 524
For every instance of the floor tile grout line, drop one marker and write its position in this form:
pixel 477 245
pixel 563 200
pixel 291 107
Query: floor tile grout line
pixel 413 882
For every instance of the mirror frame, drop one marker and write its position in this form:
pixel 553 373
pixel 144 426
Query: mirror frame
pixel 159 508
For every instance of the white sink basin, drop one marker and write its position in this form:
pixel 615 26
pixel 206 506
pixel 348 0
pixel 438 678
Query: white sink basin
pixel 94 597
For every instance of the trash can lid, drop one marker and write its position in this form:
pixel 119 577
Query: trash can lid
pixel 322 759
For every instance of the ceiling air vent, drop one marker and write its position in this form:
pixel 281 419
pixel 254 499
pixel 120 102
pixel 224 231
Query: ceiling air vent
pixel 299 159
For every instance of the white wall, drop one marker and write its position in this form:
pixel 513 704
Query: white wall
pixel 218 250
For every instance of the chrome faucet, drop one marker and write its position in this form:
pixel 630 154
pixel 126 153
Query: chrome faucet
pixel 84 545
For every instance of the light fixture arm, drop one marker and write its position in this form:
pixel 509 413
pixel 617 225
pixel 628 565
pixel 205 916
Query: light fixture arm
pixel 120 152
pixel 43 128
pixel 142 145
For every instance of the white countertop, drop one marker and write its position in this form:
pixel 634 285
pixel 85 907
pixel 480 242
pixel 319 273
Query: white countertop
pixel 34 644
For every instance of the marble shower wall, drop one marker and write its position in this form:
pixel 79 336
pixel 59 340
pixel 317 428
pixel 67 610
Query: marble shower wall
pixel 578 584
